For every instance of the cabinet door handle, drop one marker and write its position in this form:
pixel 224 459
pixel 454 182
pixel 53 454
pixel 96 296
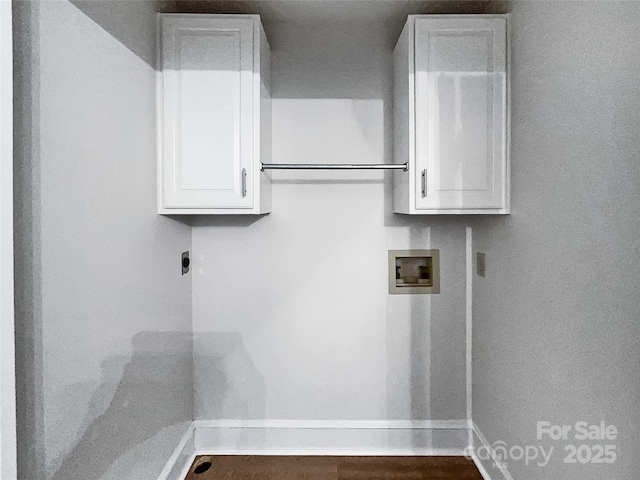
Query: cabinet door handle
pixel 244 182
pixel 424 183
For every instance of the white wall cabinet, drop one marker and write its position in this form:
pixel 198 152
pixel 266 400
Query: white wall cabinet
pixel 451 115
pixel 214 114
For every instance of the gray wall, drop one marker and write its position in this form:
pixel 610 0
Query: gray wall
pixel 292 315
pixel 556 320
pixel 103 314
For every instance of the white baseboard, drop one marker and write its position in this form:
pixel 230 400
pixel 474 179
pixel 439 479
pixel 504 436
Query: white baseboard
pixel 293 437
pixel 296 437
pixel 499 470
pixel 333 424
pixel 182 457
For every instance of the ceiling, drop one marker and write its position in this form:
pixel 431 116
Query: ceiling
pixel 354 11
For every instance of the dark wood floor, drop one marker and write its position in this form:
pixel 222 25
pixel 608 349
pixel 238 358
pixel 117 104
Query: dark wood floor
pixel 332 468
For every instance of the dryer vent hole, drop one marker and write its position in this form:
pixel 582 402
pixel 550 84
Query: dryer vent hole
pixel 203 467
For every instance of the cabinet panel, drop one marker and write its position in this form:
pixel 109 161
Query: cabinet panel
pixel 207 99
pixel 460 112
pixel 454 130
pixel 209 140
pixel 460 69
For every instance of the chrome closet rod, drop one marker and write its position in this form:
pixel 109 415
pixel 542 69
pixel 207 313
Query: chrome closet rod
pixel 333 166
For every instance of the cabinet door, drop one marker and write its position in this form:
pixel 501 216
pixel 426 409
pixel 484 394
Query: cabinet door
pixel 461 110
pixel 207 72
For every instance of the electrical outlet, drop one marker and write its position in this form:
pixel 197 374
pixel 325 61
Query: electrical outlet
pixel 480 264
pixel 186 262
